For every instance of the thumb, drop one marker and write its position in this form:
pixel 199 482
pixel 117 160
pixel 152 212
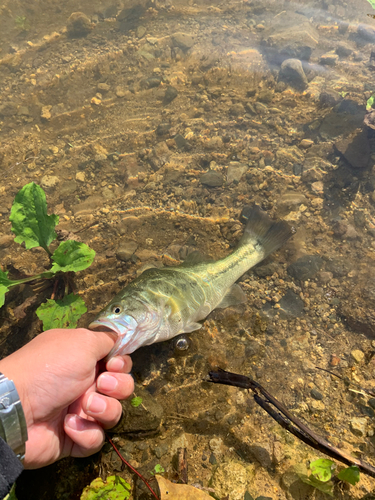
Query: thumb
pixel 101 342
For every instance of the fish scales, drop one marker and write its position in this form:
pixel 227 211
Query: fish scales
pixel 164 302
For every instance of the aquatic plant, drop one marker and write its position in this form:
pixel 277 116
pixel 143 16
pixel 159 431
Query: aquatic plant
pixel 22 23
pixel 321 475
pixel 158 469
pixel 33 227
pixel 113 488
pixel 136 401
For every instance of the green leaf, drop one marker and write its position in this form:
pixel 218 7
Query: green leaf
pixel 350 475
pixel 135 402
pixel 370 102
pixel 114 488
pixel 5 284
pixel 12 494
pixel 159 469
pixel 63 313
pixel 322 469
pixel 372 3
pixel 319 485
pixel 29 218
pixel 72 256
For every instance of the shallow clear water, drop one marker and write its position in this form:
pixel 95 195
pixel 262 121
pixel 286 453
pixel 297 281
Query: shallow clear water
pixel 150 126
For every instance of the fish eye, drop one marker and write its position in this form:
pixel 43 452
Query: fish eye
pixel 116 309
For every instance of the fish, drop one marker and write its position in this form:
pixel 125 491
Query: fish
pixel 164 302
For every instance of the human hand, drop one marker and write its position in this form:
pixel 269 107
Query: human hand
pixel 66 403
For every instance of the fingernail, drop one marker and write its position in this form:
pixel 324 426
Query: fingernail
pixel 96 404
pixel 74 422
pixel 116 364
pixel 107 383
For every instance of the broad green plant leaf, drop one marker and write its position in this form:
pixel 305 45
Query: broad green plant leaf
pixel 114 488
pixel 135 402
pixel 5 284
pixel 63 313
pixel 372 3
pixel 322 469
pixel 29 218
pixel 350 475
pixel 326 487
pixel 72 256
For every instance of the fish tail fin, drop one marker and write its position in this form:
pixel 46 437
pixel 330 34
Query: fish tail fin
pixel 269 235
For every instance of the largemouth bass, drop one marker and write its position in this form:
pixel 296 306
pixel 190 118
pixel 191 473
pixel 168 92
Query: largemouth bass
pixel 162 303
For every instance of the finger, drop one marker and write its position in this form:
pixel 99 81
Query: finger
pixel 88 436
pixel 106 411
pixel 120 364
pixel 116 385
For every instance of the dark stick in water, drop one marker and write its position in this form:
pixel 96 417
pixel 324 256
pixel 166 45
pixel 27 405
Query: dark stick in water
pixel 284 418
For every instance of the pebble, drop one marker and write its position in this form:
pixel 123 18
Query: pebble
pixel 358 426
pixel 126 249
pixel 292 71
pixel 46 113
pixel 316 394
pixel 235 171
pixel 80 176
pixel 334 360
pixel 49 181
pixel 184 41
pixel 161 450
pixel 78 25
pixel 6 240
pixel 291 304
pixel 170 94
pixel 357 355
pixel 306 143
pixel 212 178
pixel 329 59
pixel 122 92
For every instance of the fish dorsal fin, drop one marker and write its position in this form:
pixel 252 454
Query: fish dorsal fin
pixel 234 296
pixel 195 257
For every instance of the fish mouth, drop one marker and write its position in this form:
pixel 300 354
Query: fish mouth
pixel 104 326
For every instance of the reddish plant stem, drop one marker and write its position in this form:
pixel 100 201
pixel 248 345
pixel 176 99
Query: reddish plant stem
pixel 131 467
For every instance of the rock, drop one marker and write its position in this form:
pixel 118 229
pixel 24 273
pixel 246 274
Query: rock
pixel 290 36
pixel 49 181
pixel 357 355
pixel 235 171
pixel 145 418
pixel 80 176
pixel 291 71
pixel 237 109
pixel 305 267
pixel 78 25
pixel 6 240
pixel 344 50
pixel 358 426
pixel 126 249
pixel 216 446
pixel 292 200
pixel 231 478
pixel 103 87
pixel 316 394
pixel 88 206
pixel 129 224
pixel 181 142
pixel 121 92
pixel 338 266
pixel 46 113
pixel 184 41
pixel 329 59
pixel 161 450
pixel 170 94
pixel 329 98
pixel 355 149
pixel 348 115
pixel 305 143
pixel 291 305
pixel 366 33
pixel 212 178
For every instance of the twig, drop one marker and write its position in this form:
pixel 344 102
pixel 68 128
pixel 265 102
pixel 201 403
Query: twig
pixel 284 418
pixel 348 382
pixel 182 466
pixel 131 467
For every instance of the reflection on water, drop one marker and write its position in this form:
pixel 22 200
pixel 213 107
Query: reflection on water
pixel 150 125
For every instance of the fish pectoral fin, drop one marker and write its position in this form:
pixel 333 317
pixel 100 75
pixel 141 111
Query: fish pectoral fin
pixel 234 296
pixel 191 327
pixel 195 257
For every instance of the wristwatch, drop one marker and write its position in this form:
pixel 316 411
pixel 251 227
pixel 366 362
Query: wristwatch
pixel 13 428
